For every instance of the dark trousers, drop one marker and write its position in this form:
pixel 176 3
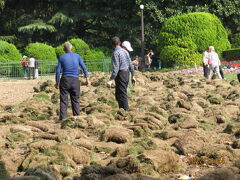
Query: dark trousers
pixel 31 72
pixel 205 71
pixel 238 76
pixel 69 85
pixel 221 71
pixel 121 81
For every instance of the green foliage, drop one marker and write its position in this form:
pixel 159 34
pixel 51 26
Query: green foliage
pixel 61 19
pixel 41 51
pixel 177 56
pixel 79 46
pixel 235 40
pixel 8 52
pixel 183 38
pixel 231 54
pixel 10 39
pixel 93 54
pixel 36 27
pixel 54 22
pixel 2 3
pixel 106 51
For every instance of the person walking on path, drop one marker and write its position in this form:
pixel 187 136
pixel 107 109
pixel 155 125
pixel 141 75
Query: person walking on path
pixel 121 65
pixel 69 83
pixel 24 64
pixel 214 63
pixel 31 67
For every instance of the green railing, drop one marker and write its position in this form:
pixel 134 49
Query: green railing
pixel 46 68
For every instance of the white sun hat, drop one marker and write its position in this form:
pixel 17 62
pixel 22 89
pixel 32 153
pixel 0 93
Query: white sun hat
pixel 127 45
pixel 24 56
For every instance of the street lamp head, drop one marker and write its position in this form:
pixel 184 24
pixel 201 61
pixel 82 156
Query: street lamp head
pixel 141 6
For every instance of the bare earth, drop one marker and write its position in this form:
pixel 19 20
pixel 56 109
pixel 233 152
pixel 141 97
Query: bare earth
pixel 13 92
pixel 178 124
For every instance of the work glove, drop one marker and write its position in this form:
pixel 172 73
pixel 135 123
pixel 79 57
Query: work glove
pixel 109 83
pixel 133 80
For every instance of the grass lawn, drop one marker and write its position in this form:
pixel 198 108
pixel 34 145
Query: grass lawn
pixel 231 76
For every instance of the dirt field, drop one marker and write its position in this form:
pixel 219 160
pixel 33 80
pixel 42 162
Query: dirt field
pixel 13 92
pixel 178 124
pixel 16 91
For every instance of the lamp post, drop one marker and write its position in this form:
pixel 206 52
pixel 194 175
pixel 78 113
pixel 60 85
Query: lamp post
pixel 142 41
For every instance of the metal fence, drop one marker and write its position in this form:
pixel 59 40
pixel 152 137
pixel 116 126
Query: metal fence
pixel 46 68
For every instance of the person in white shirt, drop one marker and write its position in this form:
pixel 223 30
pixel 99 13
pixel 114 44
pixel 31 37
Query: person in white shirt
pixel 214 63
pixel 31 66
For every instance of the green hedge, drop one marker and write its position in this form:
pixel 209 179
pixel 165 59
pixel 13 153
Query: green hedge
pixel 79 46
pixel 94 59
pixel 40 51
pixel 231 54
pixel 93 54
pixel 9 53
pixel 183 38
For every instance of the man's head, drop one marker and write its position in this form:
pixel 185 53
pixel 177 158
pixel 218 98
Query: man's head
pixel 67 47
pixel 127 45
pixel 116 41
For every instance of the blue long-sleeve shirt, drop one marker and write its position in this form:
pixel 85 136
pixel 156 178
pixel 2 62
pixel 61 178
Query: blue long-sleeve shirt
pixel 69 64
pixel 120 60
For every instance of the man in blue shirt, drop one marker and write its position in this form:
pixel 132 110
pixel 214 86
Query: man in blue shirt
pixel 121 65
pixel 69 84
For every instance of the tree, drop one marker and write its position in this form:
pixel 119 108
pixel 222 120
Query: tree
pixel 183 38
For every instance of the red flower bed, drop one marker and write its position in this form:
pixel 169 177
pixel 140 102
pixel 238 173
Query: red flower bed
pixel 235 65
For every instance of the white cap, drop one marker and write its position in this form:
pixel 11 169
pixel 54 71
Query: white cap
pixel 127 45
pixel 211 47
pixel 24 56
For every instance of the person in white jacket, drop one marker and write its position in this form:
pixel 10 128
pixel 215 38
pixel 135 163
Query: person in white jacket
pixel 214 63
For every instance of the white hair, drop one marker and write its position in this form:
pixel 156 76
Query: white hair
pixel 67 46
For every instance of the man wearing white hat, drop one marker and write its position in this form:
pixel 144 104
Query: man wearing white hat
pixel 127 46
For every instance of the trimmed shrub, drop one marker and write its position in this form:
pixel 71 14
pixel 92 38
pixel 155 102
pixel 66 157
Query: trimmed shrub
pixel 106 50
pixel 231 54
pixel 9 53
pixel 183 38
pixel 94 60
pixel 41 51
pixel 79 46
pixel 93 54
